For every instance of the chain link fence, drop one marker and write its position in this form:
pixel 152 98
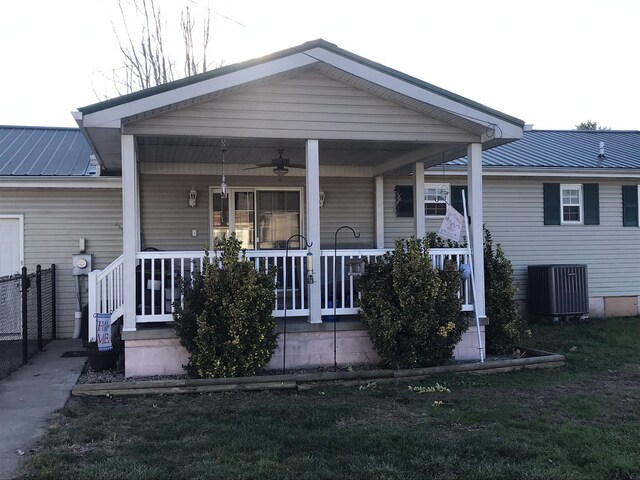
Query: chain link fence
pixel 27 316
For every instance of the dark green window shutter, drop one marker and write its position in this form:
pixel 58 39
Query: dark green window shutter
pixel 456 197
pixel 629 205
pixel 591 195
pixel 551 193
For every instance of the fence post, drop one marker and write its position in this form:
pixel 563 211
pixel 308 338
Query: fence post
pixel 25 340
pixel 39 304
pixel 53 301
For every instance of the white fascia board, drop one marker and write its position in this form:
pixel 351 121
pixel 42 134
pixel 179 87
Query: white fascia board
pixel 508 129
pixel 111 117
pixel 532 172
pixel 66 182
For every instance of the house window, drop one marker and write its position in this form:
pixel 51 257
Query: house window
pixel 630 215
pixel 571 206
pixel 435 199
pixel 404 200
pixel 262 218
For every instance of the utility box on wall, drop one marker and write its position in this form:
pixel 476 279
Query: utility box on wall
pixel 558 290
pixel 82 264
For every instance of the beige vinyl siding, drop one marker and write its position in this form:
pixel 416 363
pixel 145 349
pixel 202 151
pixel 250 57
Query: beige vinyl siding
pixel 54 221
pixel 349 201
pixel 513 212
pixel 167 219
pixel 309 105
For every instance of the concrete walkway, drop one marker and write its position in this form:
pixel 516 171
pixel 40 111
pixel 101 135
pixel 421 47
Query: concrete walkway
pixel 28 398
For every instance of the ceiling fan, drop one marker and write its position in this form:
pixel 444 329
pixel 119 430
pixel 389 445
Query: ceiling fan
pixel 280 165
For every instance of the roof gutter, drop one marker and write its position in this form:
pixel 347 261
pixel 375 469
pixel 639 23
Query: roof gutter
pixel 86 182
pixel 487 171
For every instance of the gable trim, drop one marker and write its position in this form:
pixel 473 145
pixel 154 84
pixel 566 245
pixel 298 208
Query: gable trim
pixel 110 113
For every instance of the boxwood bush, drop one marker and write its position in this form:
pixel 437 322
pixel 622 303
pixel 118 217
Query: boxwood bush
pixel 226 323
pixel 506 326
pixel 411 309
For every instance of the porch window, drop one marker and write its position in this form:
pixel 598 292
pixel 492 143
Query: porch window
pixel 261 218
pixel 571 203
pixel 435 204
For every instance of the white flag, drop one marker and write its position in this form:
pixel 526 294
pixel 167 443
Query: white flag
pixel 451 225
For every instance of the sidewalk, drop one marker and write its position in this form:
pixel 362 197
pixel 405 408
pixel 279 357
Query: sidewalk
pixel 29 396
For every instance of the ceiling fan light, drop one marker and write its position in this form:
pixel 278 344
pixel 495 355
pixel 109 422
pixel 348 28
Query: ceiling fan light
pixel 280 171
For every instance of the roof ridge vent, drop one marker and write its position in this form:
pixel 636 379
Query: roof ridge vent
pixel 601 154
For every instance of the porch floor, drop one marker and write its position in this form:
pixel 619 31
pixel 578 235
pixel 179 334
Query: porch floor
pixel 163 330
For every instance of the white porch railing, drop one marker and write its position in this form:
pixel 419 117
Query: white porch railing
pixel 106 293
pixel 159 274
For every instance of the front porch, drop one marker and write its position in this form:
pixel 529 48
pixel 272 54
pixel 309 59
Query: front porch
pixel 302 142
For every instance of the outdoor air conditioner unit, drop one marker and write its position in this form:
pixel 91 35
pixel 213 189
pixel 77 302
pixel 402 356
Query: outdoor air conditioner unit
pixel 558 290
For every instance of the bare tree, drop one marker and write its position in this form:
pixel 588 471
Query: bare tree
pixel 191 64
pixel 146 60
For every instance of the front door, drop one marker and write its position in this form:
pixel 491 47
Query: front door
pixel 262 219
pixel 10 245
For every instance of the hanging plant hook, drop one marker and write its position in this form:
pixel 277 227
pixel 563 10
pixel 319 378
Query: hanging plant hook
pixel 307 245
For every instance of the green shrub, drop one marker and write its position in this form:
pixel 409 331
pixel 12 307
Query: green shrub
pixel 227 324
pixel 506 327
pixel 411 309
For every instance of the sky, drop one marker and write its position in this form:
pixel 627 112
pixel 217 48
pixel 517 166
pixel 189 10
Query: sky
pixel 551 63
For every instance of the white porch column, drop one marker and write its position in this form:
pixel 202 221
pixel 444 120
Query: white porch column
pixel 313 227
pixel 418 198
pixel 379 212
pixel 474 174
pixel 130 216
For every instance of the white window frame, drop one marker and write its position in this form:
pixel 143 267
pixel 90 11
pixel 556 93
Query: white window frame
pixel 437 187
pixel 231 198
pixel 580 204
pixel 20 218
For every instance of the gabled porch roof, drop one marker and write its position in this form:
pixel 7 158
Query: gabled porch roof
pixel 465 121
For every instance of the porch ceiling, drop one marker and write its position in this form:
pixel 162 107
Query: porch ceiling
pixel 249 151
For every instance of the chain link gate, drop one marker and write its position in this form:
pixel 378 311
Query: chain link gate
pixel 27 316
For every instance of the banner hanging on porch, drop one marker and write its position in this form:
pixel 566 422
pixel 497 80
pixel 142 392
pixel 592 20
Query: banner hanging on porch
pixel 451 227
pixel 103 331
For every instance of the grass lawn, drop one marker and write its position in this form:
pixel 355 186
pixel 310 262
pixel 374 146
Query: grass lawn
pixel 581 421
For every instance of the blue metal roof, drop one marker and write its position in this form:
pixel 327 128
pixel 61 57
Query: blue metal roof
pixel 565 149
pixel 44 151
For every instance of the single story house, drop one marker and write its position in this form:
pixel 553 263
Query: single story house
pixel 303 142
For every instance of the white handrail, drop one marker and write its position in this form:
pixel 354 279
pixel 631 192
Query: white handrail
pixel 106 293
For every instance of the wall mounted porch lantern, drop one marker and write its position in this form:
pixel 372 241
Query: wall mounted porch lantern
pixel 323 196
pixel 193 197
